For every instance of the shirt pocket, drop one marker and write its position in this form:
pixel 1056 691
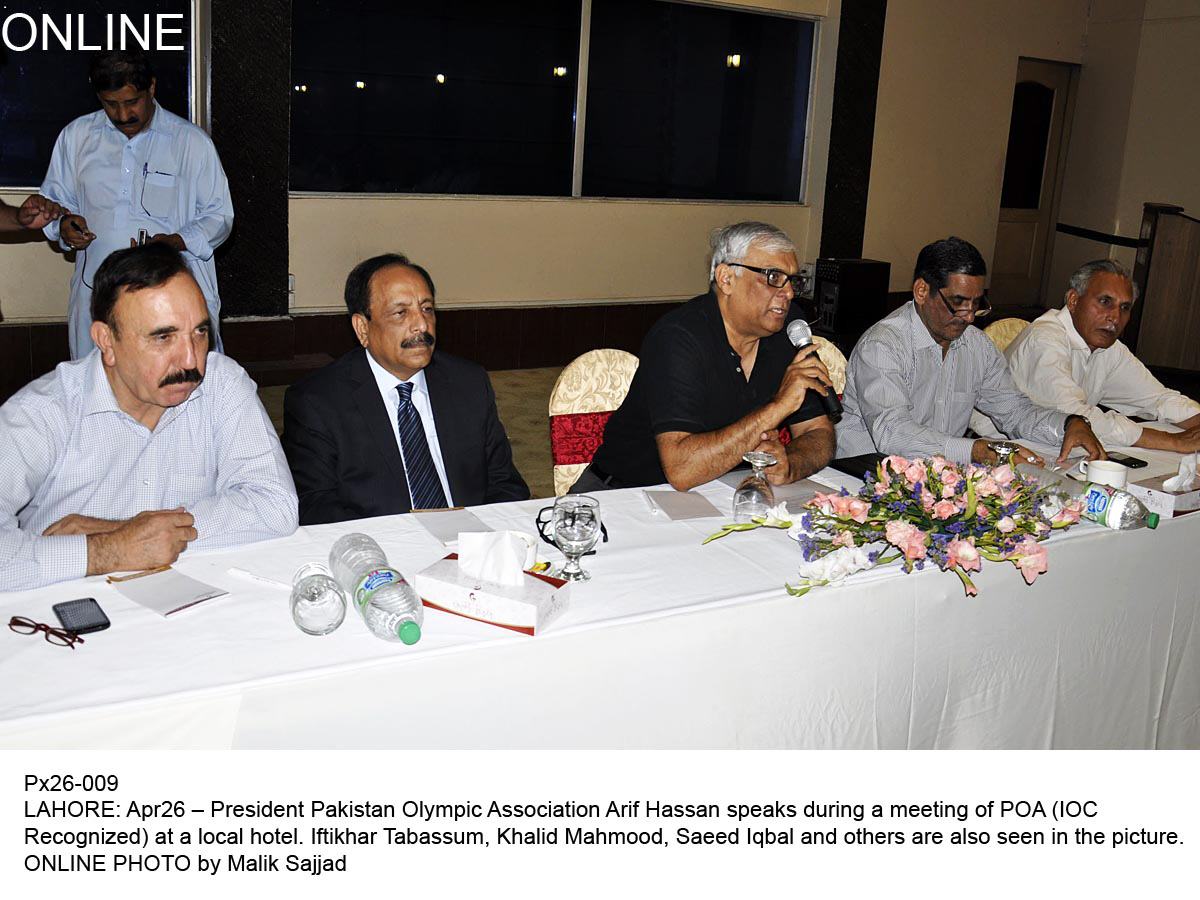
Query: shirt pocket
pixel 159 190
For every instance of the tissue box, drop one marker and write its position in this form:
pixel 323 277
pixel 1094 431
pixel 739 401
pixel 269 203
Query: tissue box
pixel 1162 501
pixel 527 608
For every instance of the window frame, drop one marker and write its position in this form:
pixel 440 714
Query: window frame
pixel 585 20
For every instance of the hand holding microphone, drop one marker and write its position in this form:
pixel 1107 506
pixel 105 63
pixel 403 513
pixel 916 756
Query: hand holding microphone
pixel 800 335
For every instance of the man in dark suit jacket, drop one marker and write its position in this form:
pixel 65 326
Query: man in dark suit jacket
pixel 348 429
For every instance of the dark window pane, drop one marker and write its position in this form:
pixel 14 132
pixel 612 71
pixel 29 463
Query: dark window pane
pixel 500 122
pixel 42 90
pixel 1033 104
pixel 669 115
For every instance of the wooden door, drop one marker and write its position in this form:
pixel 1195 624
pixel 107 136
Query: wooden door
pixel 1028 199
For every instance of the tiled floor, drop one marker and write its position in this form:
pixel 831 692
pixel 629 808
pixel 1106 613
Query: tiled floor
pixel 522 396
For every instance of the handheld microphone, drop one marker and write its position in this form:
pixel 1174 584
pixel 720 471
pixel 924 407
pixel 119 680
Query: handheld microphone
pixel 801 336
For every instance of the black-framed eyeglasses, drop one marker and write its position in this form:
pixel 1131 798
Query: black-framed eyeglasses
pixel 979 308
pixel 545 528
pixel 60 637
pixel 776 278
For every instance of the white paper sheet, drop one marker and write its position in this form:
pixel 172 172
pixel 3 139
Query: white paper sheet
pixel 679 505
pixel 168 592
pixel 446 524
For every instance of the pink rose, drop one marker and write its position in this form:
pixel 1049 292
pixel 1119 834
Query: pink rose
pixel 844 539
pixel 823 502
pixel 1069 514
pixel 947 491
pixel 937 463
pixel 907 537
pixel 1006 525
pixel 896 463
pixel 858 510
pixel 944 509
pixel 1030 557
pixel 843 507
pixel 963 554
pixel 927 500
pixel 1003 474
pixel 981 511
pixel 987 487
pixel 1009 494
pixel 880 488
pixel 916 471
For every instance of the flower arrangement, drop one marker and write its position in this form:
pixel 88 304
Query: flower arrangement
pixel 923 511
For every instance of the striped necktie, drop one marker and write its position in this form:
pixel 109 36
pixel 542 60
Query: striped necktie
pixel 424 486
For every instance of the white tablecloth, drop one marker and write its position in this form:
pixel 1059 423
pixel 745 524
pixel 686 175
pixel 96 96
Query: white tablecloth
pixel 671 645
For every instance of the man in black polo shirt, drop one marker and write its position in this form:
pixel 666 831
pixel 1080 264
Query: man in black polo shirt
pixel 718 377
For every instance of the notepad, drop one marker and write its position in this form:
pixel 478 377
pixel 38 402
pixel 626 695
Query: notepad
pixel 167 593
pixel 446 524
pixel 679 505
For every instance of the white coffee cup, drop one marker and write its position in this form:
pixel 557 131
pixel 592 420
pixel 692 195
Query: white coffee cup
pixel 1104 471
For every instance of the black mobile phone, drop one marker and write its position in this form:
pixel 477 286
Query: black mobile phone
pixel 1132 461
pixel 81 616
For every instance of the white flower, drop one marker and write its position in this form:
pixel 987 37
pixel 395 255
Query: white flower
pixel 778 517
pixel 835 567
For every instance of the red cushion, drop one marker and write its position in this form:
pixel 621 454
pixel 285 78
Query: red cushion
pixel 574 437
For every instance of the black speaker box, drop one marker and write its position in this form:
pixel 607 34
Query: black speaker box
pixel 850 295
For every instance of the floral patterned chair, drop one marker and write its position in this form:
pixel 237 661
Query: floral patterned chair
pixel 835 362
pixel 1002 331
pixel 587 392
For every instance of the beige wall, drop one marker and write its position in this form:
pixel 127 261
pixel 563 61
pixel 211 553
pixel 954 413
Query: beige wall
pixel 499 250
pixel 941 126
pixel 1137 125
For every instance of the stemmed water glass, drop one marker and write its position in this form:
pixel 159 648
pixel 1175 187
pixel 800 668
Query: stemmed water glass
pixel 754 496
pixel 576 530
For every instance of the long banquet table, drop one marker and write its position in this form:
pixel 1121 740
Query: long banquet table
pixel 671 645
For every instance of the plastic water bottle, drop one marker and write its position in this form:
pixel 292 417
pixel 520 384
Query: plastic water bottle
pixel 318 602
pixel 387 603
pixel 1111 507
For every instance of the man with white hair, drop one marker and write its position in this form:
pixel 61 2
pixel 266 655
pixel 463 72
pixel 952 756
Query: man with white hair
pixel 1072 359
pixel 718 378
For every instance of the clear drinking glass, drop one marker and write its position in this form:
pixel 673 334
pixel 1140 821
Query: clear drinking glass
pixel 754 496
pixel 576 530
pixel 318 602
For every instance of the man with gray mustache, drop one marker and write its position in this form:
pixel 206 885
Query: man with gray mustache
pixel 148 445
pixel 396 424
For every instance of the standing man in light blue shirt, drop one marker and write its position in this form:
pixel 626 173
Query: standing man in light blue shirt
pixel 151 444
pixel 134 167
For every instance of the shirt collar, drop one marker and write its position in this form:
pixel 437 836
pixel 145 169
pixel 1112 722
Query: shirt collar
pixel 98 396
pixel 1074 338
pixel 922 339
pixel 157 124
pixel 387 381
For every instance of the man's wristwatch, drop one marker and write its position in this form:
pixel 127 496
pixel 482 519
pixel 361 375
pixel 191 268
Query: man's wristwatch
pixel 1003 450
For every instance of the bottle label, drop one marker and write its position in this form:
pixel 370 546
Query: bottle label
pixel 1099 499
pixel 373 581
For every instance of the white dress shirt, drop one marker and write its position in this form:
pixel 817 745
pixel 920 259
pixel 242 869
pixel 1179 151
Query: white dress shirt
pixel 420 399
pixel 1052 363
pixel 903 397
pixel 66 447
pixel 166 179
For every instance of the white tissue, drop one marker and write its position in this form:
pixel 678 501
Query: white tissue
pixel 498 556
pixel 1186 478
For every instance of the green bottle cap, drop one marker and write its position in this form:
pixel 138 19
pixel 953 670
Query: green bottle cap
pixel 1152 520
pixel 410 632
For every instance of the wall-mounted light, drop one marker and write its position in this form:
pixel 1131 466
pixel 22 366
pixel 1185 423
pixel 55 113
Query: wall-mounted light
pixel 360 84
pixel 441 79
pixel 560 71
pixel 733 61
